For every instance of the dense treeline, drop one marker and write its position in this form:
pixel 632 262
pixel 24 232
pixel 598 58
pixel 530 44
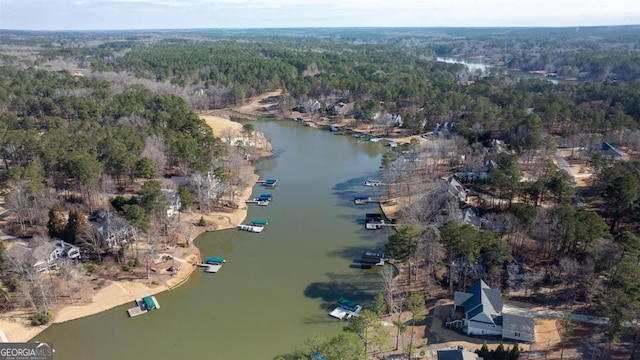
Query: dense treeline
pixel 70 132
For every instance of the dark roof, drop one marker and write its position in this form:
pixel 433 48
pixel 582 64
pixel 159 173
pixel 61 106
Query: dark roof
pixel 480 298
pixel 457 354
pixel 606 147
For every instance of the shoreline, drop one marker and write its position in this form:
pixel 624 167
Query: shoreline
pixel 15 327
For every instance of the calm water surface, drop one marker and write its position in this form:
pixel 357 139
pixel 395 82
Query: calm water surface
pixel 277 286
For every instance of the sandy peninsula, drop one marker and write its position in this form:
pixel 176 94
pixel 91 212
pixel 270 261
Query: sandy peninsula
pixel 15 327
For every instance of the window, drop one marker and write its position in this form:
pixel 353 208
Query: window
pixel 517 334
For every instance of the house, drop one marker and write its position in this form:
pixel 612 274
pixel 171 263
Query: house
pixel 174 202
pixel 457 354
pixel 456 189
pixel 340 108
pixel 483 314
pixel 309 106
pixel 110 229
pixel 611 152
pixel 48 255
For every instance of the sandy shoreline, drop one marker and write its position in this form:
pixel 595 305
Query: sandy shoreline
pixel 15 327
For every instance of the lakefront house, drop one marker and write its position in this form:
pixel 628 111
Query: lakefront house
pixel 482 309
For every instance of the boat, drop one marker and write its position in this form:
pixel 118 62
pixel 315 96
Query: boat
pixel 251 228
pixel 143 306
pixel 345 310
pixel 263 202
pixel 373 183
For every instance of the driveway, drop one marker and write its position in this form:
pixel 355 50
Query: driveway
pixel 552 314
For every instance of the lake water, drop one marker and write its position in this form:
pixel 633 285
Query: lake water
pixel 472 65
pixel 278 286
pixel 477 65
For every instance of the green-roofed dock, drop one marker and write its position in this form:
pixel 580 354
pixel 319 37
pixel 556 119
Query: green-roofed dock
pixel 144 305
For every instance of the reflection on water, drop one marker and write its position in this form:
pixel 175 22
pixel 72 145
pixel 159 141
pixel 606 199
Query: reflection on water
pixel 277 286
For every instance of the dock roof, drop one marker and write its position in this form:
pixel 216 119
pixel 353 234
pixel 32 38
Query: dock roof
pixel 215 260
pixel 149 303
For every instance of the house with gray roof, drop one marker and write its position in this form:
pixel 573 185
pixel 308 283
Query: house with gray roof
pixel 483 314
pixel 457 354
pixel 110 229
pixel 48 255
pixel 611 152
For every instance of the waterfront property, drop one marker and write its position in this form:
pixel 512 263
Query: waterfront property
pixel 345 310
pixel 144 305
pixel 482 307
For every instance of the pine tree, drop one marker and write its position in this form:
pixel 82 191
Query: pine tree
pixel 484 351
pixel 57 222
pixel 500 353
pixel 77 226
pixel 514 354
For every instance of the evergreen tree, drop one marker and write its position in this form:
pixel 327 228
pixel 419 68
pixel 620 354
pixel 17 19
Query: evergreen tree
pixel 500 353
pixel 514 354
pixel 57 222
pixel 484 351
pixel 77 226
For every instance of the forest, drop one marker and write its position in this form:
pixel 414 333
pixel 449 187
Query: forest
pixel 85 115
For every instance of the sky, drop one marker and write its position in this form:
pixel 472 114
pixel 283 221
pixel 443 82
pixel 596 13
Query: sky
pixel 189 14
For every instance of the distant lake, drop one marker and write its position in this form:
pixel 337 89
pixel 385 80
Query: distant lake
pixel 473 65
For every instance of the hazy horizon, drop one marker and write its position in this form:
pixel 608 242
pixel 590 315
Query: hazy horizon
pixel 93 15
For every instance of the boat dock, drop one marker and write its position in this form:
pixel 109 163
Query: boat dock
pixel 370 259
pixel 212 264
pixel 268 182
pixel 374 221
pixel 143 306
pixel 251 228
pixel 262 200
pixel 373 183
pixel 363 200
pixel 345 310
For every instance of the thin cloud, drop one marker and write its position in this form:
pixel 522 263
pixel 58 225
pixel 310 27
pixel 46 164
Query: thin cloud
pixel 167 14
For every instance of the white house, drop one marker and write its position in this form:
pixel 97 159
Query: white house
pixel 483 314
